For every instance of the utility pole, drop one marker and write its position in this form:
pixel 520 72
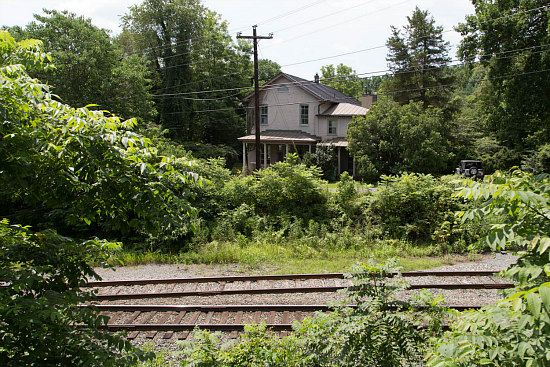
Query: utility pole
pixel 255 38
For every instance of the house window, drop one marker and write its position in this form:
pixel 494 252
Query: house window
pixel 263 115
pixel 282 89
pixel 304 114
pixel 332 127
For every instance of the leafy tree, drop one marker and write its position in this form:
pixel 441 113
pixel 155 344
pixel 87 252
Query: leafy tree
pixel 510 38
pixel 190 51
pixel 79 170
pixel 267 70
pixel 342 78
pixel 514 332
pixel 89 67
pixel 372 84
pixel 418 60
pixel 44 153
pixel 391 139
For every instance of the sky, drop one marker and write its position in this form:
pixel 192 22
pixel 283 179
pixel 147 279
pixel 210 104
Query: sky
pixel 307 34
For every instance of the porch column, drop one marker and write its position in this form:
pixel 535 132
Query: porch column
pixel 310 148
pixel 287 150
pixel 353 167
pixel 244 158
pixel 339 162
pixel 265 155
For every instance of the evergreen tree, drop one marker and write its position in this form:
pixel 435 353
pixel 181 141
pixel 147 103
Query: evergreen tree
pixel 418 59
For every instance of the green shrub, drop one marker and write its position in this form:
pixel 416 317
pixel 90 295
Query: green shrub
pixel 515 331
pixel 326 159
pixel 40 322
pixel 417 208
pixel 287 187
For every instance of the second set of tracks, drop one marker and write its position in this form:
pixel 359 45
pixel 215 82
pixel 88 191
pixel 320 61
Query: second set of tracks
pixel 172 308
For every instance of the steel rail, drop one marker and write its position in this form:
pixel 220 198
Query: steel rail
pixel 278 277
pixel 244 308
pixel 188 327
pixel 324 289
pixel 211 308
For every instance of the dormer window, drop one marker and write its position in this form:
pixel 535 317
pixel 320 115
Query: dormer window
pixel 304 114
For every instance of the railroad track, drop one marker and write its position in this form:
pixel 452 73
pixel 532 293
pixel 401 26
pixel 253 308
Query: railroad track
pixel 173 317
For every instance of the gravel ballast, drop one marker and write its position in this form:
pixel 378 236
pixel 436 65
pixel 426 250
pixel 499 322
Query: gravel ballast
pixel 480 297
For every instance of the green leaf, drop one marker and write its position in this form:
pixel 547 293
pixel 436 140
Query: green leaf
pixel 534 303
pixel 486 361
pixel 545 297
pixel 543 245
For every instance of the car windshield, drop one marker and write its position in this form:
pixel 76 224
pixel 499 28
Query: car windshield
pixel 470 164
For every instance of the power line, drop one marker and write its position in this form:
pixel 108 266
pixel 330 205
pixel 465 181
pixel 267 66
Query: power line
pixel 303 62
pixel 381 46
pixel 322 17
pixel 340 23
pixel 339 78
pixel 277 17
pixel 395 92
pixel 280 16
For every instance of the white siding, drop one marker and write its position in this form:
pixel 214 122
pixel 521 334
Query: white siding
pixel 284 111
pixel 284 108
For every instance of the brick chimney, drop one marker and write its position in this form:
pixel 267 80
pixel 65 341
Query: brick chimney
pixel 368 99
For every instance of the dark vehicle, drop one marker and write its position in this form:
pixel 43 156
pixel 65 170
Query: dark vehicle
pixel 471 168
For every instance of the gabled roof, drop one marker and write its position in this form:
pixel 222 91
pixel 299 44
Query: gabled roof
pixel 344 110
pixel 320 91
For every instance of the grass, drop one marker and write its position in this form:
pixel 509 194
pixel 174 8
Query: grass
pixel 294 256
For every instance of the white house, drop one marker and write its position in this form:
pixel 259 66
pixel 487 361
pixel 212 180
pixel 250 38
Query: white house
pixel 296 115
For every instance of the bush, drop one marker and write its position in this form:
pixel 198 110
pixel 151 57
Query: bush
pixel 326 159
pixel 515 331
pixel 285 188
pixel 40 321
pixel 418 208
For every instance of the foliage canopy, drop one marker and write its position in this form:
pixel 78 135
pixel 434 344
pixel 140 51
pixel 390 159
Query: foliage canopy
pixel 75 168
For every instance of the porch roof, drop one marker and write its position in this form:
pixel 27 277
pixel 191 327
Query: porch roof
pixel 336 142
pixel 281 137
pixel 344 109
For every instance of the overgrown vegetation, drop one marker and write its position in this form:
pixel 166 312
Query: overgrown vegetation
pixel 41 323
pixel 516 331
pixel 286 213
pixel 84 172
